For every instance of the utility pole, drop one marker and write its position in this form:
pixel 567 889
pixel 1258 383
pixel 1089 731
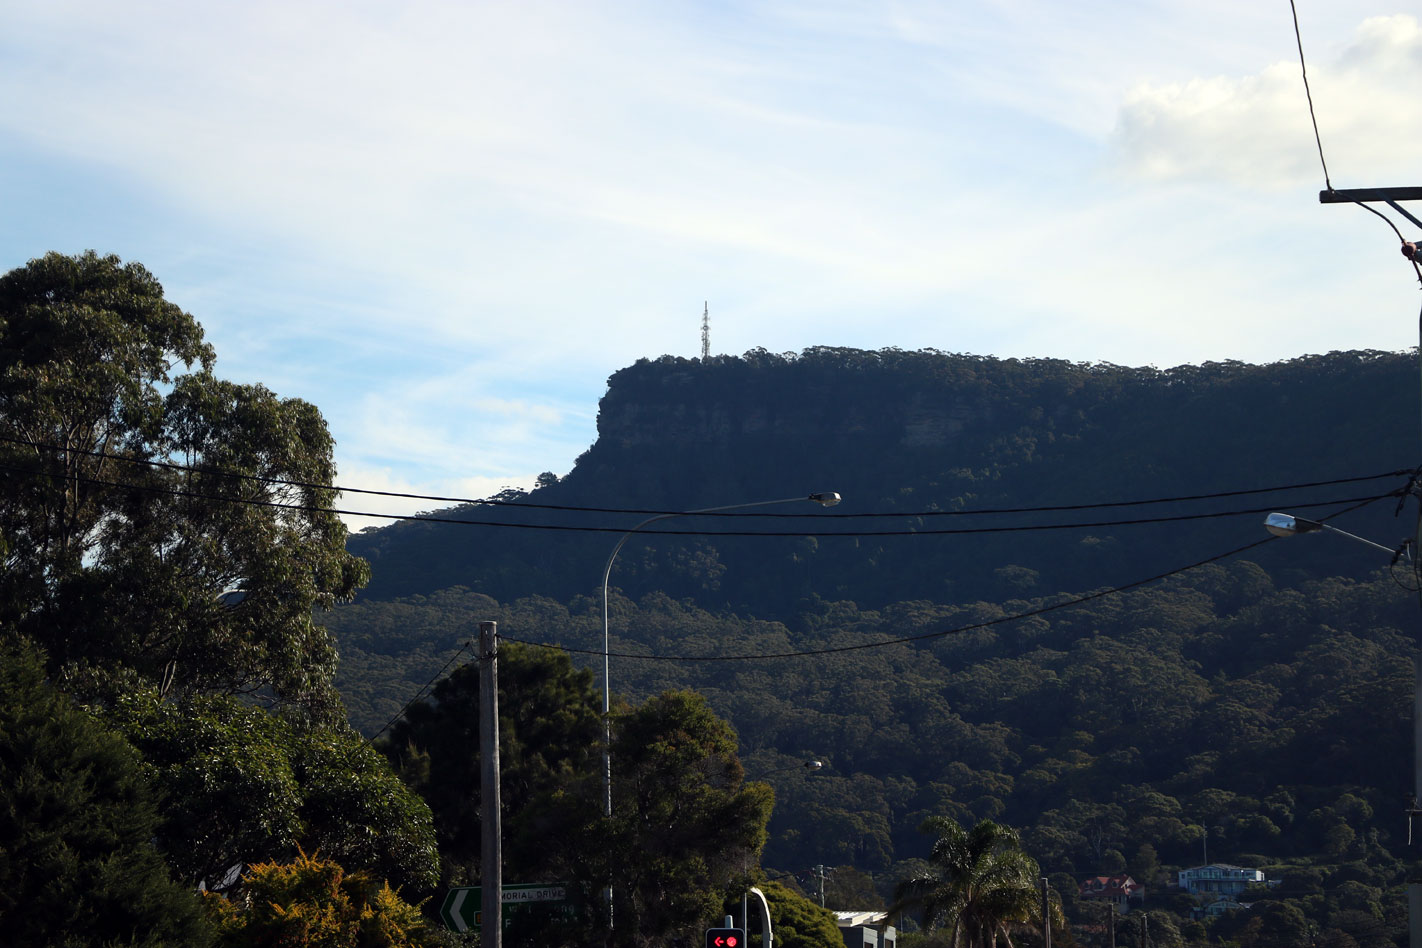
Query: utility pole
pixel 1391 196
pixel 1046 915
pixel 821 871
pixel 1110 924
pixel 491 867
pixel 1145 934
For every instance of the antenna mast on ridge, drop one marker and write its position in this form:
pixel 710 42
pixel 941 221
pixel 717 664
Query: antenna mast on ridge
pixel 705 331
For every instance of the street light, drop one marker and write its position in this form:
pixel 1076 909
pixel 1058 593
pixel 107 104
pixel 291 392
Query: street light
pixel 1287 525
pixel 824 498
pixel 809 767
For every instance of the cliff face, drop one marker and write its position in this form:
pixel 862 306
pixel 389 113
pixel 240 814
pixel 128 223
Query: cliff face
pixel 918 421
pixel 825 397
pixel 915 436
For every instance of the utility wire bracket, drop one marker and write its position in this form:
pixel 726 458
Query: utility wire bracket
pixel 1389 196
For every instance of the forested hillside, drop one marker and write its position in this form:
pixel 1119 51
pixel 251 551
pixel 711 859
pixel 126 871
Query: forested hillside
pixel 1253 704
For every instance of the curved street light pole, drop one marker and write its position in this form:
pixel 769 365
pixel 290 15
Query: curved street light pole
pixel 823 498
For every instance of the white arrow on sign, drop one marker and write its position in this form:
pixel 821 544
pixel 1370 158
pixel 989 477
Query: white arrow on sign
pixel 454 907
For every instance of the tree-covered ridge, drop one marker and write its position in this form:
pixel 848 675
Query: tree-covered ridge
pixel 913 433
pixel 1114 734
pixel 1253 709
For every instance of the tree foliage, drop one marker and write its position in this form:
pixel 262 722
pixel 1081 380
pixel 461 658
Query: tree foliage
pixel 137 492
pixel 685 824
pixel 796 921
pixel 77 863
pixel 312 902
pixel 242 786
pixel 549 752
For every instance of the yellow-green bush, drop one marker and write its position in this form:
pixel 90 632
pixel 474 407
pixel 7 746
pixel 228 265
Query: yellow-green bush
pixel 312 902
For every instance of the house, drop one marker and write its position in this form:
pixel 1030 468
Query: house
pixel 1219 880
pixel 1118 890
pixel 866 930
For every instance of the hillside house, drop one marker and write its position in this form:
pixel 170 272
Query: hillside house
pixel 1219 880
pixel 1118 890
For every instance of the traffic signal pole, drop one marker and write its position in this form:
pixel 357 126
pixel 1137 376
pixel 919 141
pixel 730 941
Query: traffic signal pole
pixel 727 936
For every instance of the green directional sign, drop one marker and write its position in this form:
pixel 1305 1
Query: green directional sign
pixel 462 908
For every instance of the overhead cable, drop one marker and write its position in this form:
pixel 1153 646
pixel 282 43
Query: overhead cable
pixel 495 502
pixel 943 633
pixel 573 528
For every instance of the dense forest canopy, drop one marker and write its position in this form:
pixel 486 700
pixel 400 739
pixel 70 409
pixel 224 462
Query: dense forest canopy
pixel 1251 706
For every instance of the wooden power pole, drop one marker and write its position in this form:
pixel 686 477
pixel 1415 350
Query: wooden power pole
pixel 491 866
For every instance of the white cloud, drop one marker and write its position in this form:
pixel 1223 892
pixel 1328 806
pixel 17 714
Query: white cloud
pixel 1254 131
pixel 387 480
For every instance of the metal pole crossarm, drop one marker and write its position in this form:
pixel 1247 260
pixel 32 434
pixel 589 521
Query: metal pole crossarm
pixel 1368 195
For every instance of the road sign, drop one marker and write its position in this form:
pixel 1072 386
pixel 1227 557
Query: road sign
pixel 725 938
pixel 461 908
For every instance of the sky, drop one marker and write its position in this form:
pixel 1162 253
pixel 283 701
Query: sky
pixel 446 224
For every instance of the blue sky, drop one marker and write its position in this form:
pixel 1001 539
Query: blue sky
pixel 447 223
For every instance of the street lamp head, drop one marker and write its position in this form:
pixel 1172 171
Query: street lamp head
pixel 1287 525
pixel 825 498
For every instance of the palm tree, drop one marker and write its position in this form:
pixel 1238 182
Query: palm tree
pixel 980 883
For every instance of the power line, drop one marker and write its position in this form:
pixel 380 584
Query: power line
pixel 421 693
pixel 809 653
pixel 1031 613
pixel 573 528
pixel 1304 66
pixel 1409 250
pixel 494 502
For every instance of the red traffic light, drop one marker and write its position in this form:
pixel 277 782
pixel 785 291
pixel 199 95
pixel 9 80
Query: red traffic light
pixel 725 938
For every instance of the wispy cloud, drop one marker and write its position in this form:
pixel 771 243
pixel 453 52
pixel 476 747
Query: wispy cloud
pixel 446 224
pixel 1253 131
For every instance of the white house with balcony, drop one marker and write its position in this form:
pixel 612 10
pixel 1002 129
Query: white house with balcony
pixel 1219 880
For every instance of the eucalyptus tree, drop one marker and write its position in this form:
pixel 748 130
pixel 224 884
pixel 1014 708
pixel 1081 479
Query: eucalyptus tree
pixel 138 487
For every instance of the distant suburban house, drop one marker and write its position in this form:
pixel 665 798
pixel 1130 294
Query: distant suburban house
pixel 1219 880
pixel 866 930
pixel 1119 890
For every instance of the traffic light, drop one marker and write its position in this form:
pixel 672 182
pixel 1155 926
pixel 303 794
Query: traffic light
pixel 725 938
